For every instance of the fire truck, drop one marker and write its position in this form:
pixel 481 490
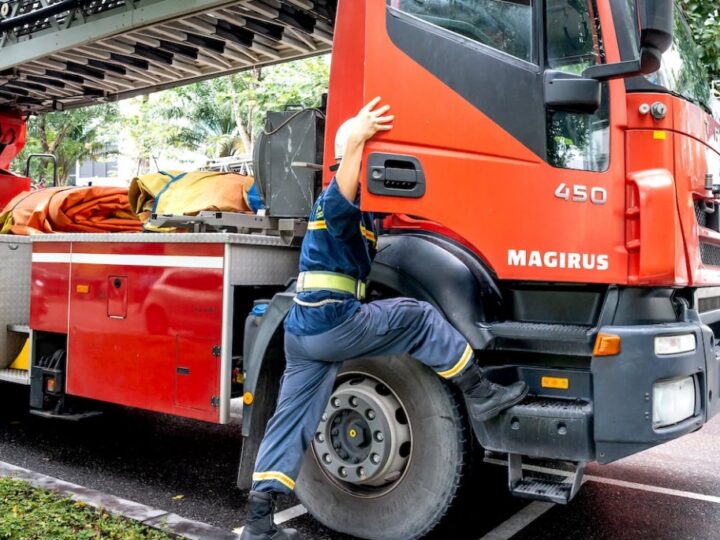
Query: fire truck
pixel 550 186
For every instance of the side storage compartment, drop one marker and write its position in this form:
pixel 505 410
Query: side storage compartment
pixel 146 325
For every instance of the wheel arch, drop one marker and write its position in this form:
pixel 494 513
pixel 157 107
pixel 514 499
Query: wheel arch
pixel 445 274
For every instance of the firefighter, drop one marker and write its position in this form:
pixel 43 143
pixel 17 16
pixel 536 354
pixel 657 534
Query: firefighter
pixel 328 324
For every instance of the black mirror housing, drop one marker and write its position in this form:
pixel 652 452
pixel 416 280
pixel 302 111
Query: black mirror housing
pixel 656 19
pixel 572 93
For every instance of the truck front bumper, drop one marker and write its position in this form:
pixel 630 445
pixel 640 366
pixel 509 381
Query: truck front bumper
pixel 642 398
pixel 628 402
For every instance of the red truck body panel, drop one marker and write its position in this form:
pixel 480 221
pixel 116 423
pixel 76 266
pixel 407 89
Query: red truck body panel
pixel 143 321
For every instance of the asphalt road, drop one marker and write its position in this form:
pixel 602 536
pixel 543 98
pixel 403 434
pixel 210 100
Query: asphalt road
pixel 670 492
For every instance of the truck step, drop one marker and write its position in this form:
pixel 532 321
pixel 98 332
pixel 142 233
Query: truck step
pixel 541 331
pixel 551 338
pixel 541 428
pixel 560 491
pixel 17 376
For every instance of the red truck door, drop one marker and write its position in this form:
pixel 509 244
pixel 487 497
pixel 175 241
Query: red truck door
pixel 474 147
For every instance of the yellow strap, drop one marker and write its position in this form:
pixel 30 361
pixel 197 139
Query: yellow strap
pixel 457 368
pixel 284 479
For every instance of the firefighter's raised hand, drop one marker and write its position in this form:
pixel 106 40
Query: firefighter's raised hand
pixel 371 120
pixel 350 141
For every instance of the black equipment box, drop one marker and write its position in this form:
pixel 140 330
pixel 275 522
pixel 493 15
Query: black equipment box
pixel 287 162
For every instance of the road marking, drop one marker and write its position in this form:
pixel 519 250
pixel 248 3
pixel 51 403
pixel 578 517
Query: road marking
pixel 282 517
pixel 655 489
pixel 519 521
pixel 618 483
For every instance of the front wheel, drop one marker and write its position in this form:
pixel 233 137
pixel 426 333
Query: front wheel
pixel 389 455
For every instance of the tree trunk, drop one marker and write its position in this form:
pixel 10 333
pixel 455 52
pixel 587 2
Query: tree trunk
pixel 242 131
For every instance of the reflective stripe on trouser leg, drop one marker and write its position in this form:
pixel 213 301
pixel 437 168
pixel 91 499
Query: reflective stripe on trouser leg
pixel 457 369
pixel 306 388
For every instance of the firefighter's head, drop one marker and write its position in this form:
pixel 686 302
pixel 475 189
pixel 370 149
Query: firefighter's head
pixel 341 138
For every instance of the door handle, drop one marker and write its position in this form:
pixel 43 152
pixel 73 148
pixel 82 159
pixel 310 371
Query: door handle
pixel 395 176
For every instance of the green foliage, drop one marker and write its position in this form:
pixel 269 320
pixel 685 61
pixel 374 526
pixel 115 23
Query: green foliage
pixel 704 19
pixel 220 117
pixel 223 115
pixel 33 514
pixel 71 135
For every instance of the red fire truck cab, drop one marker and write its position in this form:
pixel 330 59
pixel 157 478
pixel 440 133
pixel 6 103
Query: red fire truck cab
pixel 550 185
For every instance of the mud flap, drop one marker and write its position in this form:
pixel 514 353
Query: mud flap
pixel 264 364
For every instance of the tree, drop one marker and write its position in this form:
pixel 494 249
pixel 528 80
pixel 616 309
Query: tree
pixel 704 19
pixel 221 117
pixel 71 136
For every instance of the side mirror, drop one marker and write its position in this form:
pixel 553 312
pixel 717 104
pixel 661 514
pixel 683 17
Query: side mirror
pixel 656 19
pixel 572 93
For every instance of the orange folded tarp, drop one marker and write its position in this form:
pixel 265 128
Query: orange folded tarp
pixel 95 209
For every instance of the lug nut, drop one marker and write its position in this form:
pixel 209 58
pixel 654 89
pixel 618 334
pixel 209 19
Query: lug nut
pixel 375 459
pixel 320 438
pixel 379 437
pixel 353 401
pixel 361 472
pixel 342 472
pixel 335 402
pixel 324 417
pixel 327 458
pixel 370 414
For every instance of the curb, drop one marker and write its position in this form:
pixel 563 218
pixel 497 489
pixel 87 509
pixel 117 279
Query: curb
pixel 152 517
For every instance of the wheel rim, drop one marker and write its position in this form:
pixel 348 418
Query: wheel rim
pixel 364 440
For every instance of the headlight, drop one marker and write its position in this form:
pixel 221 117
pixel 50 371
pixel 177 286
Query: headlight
pixel 673 401
pixel 674 344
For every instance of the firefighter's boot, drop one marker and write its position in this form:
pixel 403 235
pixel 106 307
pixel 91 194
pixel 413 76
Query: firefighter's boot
pixel 260 524
pixel 484 399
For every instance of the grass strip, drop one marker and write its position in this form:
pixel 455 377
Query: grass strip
pixel 27 513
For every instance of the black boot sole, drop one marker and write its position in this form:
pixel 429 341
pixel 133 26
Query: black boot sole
pixel 492 413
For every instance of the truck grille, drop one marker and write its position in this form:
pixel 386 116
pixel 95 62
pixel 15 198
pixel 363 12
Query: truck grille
pixel 709 254
pixel 709 304
pixel 700 214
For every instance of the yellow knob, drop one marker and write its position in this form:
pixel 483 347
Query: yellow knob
pixel 353 433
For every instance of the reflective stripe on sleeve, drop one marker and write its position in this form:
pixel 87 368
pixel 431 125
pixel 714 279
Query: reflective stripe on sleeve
pixel 367 233
pixel 317 225
pixel 457 368
pixel 284 479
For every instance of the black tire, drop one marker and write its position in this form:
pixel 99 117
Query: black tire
pixel 423 496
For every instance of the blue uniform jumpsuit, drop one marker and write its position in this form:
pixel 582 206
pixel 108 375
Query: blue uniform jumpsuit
pixel 323 329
